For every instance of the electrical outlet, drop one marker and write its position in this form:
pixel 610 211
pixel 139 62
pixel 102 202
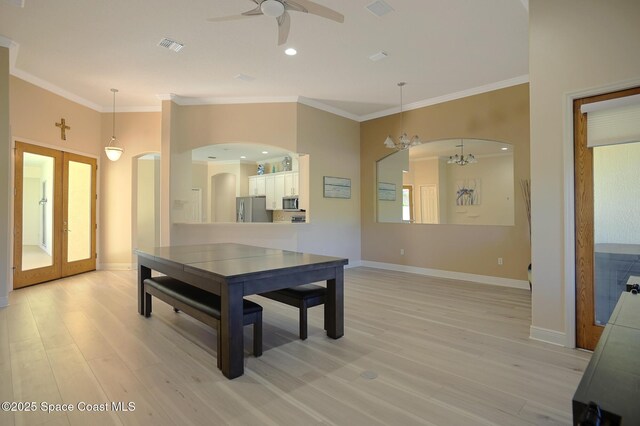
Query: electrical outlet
pixel 401 252
pixel 500 261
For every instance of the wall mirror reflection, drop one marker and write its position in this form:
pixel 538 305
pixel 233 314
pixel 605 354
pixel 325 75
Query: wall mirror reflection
pixel 451 181
pixel 245 182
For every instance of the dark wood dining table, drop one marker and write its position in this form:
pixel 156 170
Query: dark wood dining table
pixel 233 271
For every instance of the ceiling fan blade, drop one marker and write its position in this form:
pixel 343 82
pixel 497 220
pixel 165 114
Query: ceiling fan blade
pixel 253 12
pixel 230 18
pixel 284 23
pixel 291 5
pixel 316 9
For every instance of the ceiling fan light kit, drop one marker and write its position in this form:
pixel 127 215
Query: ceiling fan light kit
pixel 272 8
pixel 279 9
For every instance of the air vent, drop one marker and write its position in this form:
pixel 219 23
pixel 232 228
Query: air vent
pixel 171 44
pixel 378 56
pixel 379 8
pixel 17 3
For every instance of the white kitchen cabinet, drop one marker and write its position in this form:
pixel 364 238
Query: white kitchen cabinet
pixel 257 185
pixel 274 186
pixel 279 190
pixel 291 183
pixel 270 192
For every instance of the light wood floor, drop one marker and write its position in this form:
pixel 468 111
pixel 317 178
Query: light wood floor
pixel 416 350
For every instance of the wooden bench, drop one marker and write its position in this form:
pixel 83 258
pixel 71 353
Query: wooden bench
pixel 201 305
pixel 301 297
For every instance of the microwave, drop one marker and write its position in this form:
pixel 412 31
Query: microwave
pixel 290 203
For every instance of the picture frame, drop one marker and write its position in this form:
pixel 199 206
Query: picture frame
pixel 336 187
pixel 386 191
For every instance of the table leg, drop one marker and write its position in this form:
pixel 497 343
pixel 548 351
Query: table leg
pixel 232 343
pixel 143 274
pixel 335 305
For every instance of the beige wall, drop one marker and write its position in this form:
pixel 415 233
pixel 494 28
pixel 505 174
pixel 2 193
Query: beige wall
pixel 501 115
pixel 34 112
pixel 147 230
pixel 333 147
pixel 576 46
pixel 5 170
pixel 138 133
pixel 332 143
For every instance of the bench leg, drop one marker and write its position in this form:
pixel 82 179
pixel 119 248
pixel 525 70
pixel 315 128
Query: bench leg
pixel 147 305
pixel 176 310
pixel 219 333
pixel 303 320
pixel 257 335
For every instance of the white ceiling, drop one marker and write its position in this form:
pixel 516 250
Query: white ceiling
pixel 252 153
pixel 439 47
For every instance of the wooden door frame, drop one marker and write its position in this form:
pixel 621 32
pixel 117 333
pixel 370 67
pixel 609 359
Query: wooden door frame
pixel 16 208
pixel 587 332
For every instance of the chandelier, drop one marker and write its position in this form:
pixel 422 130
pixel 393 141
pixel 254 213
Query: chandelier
pixel 462 160
pixel 403 141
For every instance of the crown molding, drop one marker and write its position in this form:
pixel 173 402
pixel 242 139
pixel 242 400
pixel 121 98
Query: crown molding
pixel 327 108
pixel 189 101
pixel 525 3
pixel 166 96
pixel 7 42
pixel 450 97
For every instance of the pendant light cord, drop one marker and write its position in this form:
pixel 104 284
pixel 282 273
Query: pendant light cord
pixel 113 134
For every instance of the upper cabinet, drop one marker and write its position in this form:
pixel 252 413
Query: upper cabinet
pixel 257 185
pixel 291 183
pixel 275 186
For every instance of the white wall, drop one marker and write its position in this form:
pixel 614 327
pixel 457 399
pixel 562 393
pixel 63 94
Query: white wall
pixel 616 194
pixel 31 211
pixel 575 46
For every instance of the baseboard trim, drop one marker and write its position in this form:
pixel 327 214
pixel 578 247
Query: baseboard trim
pixel 4 301
pixel 353 264
pixel 115 266
pixel 482 279
pixel 548 336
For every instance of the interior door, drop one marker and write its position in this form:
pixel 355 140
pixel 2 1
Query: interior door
pixel 54 214
pixel 37 209
pixel 606 212
pixel 78 214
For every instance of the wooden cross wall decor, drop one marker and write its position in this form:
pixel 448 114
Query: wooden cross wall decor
pixel 63 129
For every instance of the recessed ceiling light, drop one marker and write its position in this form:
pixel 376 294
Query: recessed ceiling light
pixel 243 157
pixel 291 51
pixel 504 148
pixel 265 152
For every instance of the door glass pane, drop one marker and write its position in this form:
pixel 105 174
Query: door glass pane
pixel 79 212
pixel 37 211
pixel 616 224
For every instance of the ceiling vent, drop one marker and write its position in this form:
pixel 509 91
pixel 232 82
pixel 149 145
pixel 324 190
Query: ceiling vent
pixel 379 8
pixel 171 44
pixel 378 56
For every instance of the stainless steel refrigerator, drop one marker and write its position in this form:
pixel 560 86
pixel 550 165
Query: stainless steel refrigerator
pixel 252 209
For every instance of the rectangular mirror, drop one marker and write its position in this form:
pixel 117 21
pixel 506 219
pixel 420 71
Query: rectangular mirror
pixel 452 181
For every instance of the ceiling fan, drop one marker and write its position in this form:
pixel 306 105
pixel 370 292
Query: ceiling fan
pixel 279 9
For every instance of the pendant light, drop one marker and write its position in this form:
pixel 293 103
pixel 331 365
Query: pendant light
pixel 112 150
pixel 403 141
